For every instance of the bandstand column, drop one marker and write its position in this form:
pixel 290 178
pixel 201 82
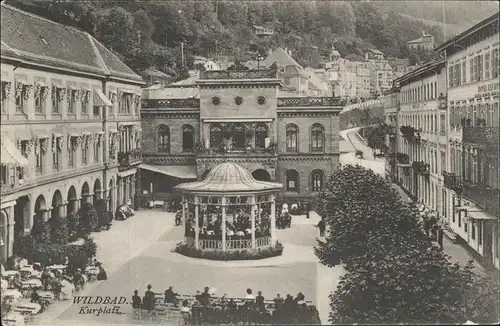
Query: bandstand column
pixel 223 226
pixel 273 219
pixel 196 222
pixel 183 210
pixel 252 214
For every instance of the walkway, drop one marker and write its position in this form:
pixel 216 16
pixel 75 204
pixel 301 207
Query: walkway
pixel 125 240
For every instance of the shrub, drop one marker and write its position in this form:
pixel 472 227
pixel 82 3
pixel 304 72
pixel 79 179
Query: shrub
pixel 244 254
pixel 73 220
pixel 41 231
pixel 59 233
pixel 102 212
pixel 88 217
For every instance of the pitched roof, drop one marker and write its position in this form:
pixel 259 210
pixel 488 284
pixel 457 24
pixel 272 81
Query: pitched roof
pixel 281 58
pixel 38 40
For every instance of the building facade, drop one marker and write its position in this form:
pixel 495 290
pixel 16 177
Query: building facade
pixel 238 116
pixel 70 123
pixel 472 184
pixel 420 137
pixel 424 42
pixel 363 79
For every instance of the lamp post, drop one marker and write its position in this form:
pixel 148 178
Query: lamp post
pixel 259 59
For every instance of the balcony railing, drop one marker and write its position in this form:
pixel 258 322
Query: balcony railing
pixel 239 244
pixel 130 158
pixel 452 181
pixel 270 151
pixel 484 196
pixel 238 74
pixel 181 103
pixel 488 136
pixel 310 101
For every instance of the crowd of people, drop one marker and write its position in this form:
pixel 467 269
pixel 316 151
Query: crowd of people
pixel 28 289
pixel 205 308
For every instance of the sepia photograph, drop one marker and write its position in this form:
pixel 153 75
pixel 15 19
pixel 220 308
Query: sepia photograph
pixel 227 162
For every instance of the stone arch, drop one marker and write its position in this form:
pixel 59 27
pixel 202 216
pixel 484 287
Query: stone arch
pixel 85 193
pixel 72 199
pixel 57 202
pixel 292 181
pixel 22 215
pixel 261 175
pixel 97 189
pixel 40 208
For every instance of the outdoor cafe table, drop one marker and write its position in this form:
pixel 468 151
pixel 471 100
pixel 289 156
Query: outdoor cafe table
pixel 12 293
pixel 32 283
pixel 46 295
pixel 24 307
pixel 13 319
pixel 56 267
pixel 10 273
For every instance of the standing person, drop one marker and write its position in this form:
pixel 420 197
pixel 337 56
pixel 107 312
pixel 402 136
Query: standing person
pixel 322 227
pixel 284 208
pixel 150 295
pixel 307 209
pixel 136 300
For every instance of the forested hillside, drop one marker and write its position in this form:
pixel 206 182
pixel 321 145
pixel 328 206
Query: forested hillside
pixel 148 34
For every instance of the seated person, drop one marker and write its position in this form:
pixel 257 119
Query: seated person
pixel 249 296
pixel 170 296
pixel 185 306
pixel 136 300
pixel 35 297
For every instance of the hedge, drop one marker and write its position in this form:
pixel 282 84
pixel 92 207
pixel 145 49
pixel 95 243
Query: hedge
pixel 183 249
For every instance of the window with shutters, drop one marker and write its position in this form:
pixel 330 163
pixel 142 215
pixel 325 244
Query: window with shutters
pixel 472 70
pixel 450 77
pixel 464 72
pixel 458 78
pixel 494 64
pixel 487 66
pixel 479 67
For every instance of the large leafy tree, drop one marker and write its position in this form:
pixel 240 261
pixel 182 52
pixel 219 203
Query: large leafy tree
pixel 394 273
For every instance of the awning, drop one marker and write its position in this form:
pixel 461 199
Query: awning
pixel 480 215
pixel 10 154
pixel 57 134
pixel 100 99
pixel 176 171
pixel 124 174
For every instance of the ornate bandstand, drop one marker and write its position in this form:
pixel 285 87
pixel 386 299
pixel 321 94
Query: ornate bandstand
pixel 229 196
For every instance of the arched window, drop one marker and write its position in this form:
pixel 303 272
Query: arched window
pixel 316 180
pixel 317 138
pixel 239 137
pixel 292 133
pixel 215 136
pixel 260 136
pixel 292 181
pixel 163 139
pixel 187 138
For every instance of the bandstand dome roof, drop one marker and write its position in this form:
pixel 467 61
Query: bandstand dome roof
pixel 228 177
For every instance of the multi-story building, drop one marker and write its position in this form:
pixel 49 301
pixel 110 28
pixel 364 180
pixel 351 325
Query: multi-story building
pixel 424 42
pixel 341 75
pixel 239 116
pixel 363 79
pixel 70 119
pixel 472 185
pixel 421 132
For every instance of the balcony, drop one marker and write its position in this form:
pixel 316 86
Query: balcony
pixel 482 136
pixel 130 158
pixel 248 152
pixel 484 196
pixel 181 103
pixel 422 168
pixel 452 182
pixel 310 101
pixel 238 74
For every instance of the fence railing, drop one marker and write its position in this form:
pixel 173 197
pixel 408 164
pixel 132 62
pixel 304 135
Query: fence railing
pixel 234 244
pixel 238 74
pixel 309 101
pixel 172 103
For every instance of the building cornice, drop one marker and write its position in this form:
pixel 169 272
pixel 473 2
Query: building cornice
pixel 170 115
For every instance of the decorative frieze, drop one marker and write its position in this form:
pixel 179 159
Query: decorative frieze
pixel 100 139
pixel 119 94
pixel 54 143
pixel 85 95
pixel 19 88
pixel 112 96
pixel 44 145
pixel 60 143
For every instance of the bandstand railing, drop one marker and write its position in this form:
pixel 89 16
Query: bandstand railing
pixel 235 244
